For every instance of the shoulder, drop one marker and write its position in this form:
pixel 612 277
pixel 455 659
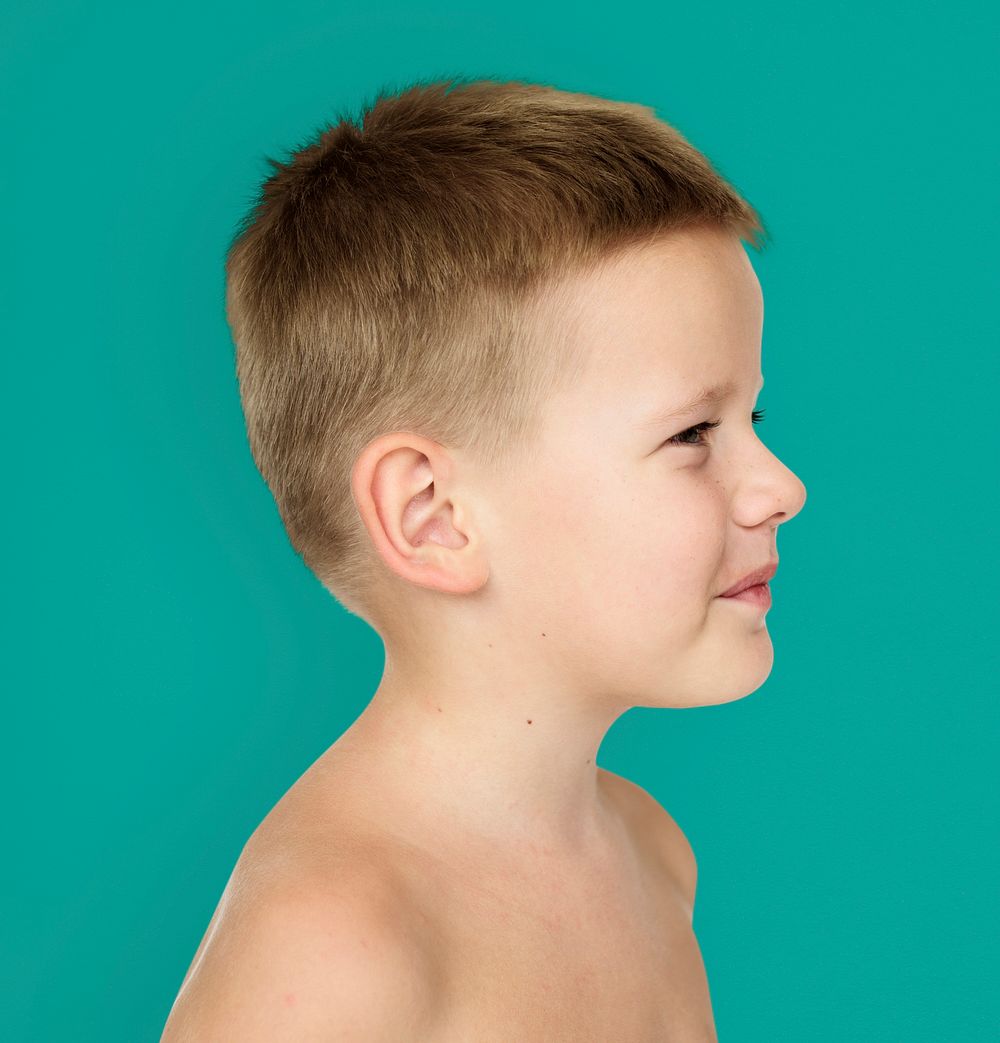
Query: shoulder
pixel 656 828
pixel 304 955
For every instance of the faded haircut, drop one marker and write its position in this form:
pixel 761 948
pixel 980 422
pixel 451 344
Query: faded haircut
pixel 391 274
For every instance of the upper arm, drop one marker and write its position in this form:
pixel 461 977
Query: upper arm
pixel 298 968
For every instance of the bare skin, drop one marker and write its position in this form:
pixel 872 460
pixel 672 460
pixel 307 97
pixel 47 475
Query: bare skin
pixel 531 943
pixel 456 867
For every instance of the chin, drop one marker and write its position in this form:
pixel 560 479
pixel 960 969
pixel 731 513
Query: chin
pixel 750 678
pixel 737 672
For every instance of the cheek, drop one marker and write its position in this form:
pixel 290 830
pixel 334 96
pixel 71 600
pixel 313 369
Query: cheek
pixel 677 541
pixel 544 543
pixel 633 546
pixel 583 543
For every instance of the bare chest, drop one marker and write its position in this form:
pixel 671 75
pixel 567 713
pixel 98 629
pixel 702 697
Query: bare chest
pixel 569 960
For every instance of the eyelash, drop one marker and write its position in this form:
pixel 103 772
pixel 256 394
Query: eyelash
pixel 707 425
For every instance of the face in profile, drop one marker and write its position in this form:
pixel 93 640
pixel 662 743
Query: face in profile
pixel 643 505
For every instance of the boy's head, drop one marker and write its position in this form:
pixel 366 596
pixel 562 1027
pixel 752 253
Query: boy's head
pixel 455 324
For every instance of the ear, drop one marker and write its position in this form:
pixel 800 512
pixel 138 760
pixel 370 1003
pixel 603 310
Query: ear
pixel 405 489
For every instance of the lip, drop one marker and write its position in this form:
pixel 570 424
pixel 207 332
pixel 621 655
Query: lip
pixel 752 579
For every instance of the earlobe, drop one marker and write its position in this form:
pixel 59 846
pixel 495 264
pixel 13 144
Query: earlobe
pixel 401 486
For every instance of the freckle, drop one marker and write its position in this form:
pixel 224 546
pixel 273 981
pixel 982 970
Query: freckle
pixel 543 633
pixel 440 710
pixel 289 999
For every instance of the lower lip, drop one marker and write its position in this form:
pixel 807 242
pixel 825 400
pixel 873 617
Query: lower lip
pixel 759 595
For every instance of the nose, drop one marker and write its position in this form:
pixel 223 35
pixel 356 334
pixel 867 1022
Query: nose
pixel 770 491
pixel 794 494
pixel 788 492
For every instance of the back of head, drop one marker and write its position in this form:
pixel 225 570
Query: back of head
pixel 391 274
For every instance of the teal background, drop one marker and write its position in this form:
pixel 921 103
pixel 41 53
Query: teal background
pixel 172 667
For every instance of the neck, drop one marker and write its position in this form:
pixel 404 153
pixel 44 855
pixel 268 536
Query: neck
pixel 493 763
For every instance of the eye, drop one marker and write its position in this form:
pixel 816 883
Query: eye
pixel 706 425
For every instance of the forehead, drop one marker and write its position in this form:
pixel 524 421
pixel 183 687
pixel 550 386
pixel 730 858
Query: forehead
pixel 671 316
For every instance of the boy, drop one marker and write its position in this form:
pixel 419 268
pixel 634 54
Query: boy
pixel 498 351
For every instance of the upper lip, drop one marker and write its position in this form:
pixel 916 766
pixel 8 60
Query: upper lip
pixel 760 575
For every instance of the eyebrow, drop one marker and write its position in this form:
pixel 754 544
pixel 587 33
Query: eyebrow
pixel 706 396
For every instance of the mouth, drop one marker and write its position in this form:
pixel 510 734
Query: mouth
pixel 758 595
pixel 757 578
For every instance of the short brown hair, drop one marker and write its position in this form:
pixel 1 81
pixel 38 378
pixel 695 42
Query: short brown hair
pixel 387 275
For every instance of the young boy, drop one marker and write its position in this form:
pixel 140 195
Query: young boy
pixel 499 349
